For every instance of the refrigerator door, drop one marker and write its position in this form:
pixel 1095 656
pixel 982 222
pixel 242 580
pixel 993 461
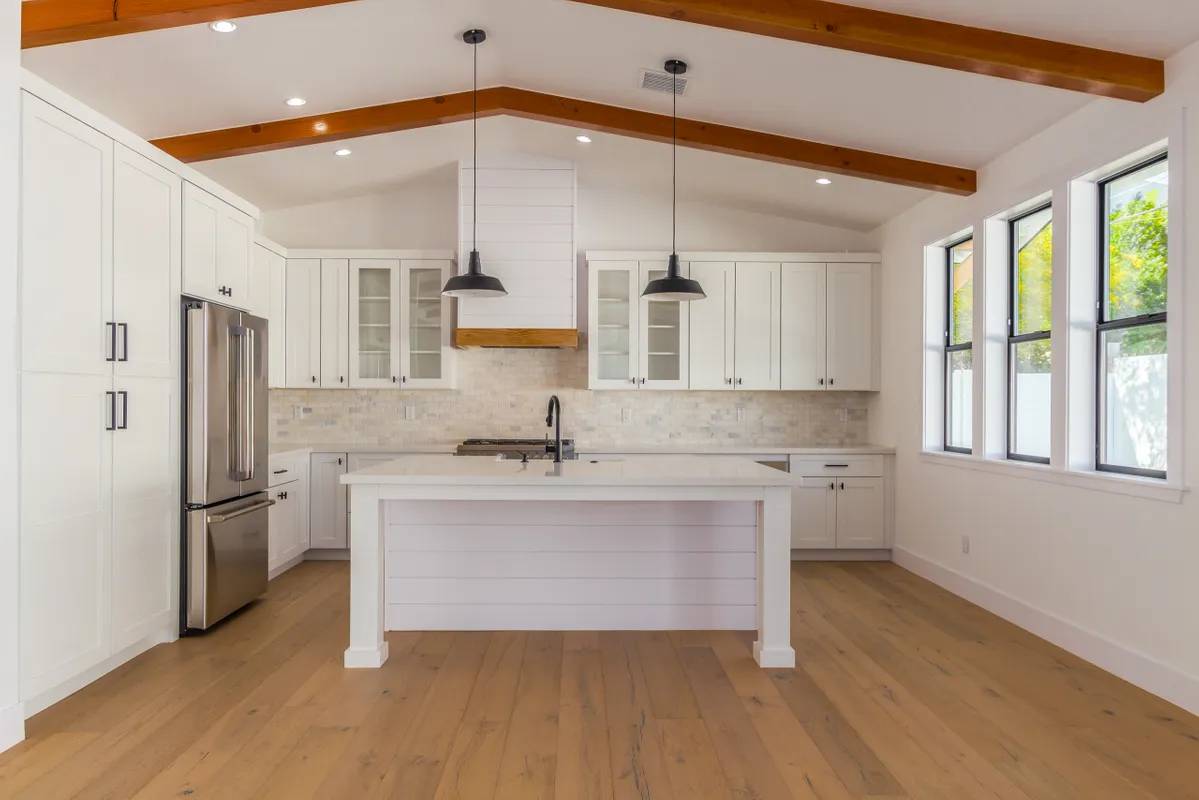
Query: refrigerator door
pixel 226 558
pixel 250 341
pixel 211 414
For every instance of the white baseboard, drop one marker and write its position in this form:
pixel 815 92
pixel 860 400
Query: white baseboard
pixel 1137 668
pixel 284 567
pixel 49 697
pixel 327 555
pixel 12 725
pixel 840 555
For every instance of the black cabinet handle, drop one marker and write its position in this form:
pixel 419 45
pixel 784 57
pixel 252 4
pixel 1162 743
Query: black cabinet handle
pixel 738 381
pixel 124 340
pixel 339 462
pixel 341 379
pixel 831 381
pixel 112 341
pixel 124 411
pixel 842 485
pixel 393 379
pixel 111 399
pixel 279 472
pixel 403 379
pixel 836 466
pixel 820 382
pixel 314 379
pixel 832 486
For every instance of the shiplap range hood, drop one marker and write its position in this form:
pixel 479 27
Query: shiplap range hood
pixel 526 236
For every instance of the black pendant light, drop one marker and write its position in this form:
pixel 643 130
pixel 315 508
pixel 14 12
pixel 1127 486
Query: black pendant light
pixel 674 286
pixel 474 283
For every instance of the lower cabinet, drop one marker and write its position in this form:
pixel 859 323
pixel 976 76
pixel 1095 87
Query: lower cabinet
pixel 288 524
pixel 839 504
pixel 328 522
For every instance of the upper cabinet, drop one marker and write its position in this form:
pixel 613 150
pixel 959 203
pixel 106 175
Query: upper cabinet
pixel 218 245
pixel 335 323
pixel 302 323
pixel 635 343
pixel 426 361
pixel 770 321
pixel 374 323
pixel 829 329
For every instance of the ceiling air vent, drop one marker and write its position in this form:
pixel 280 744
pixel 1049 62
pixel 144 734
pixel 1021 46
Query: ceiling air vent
pixel 658 81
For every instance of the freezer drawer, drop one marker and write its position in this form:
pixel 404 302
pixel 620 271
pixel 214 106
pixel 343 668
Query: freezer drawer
pixel 227 551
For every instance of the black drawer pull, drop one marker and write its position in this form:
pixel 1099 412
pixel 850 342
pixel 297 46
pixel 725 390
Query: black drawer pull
pixel 836 466
pixel 279 472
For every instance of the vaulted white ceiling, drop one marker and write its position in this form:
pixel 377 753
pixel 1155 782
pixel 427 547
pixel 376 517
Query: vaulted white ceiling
pixel 375 51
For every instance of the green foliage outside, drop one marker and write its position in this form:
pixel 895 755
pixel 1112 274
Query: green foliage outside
pixel 1137 247
pixel 1034 293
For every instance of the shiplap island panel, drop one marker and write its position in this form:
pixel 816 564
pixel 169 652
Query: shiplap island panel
pixel 660 543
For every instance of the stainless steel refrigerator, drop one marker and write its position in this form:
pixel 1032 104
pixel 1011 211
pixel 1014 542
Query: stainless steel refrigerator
pixel 225 443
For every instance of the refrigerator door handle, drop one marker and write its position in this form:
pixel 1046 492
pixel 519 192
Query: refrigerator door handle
pixel 217 519
pixel 242 429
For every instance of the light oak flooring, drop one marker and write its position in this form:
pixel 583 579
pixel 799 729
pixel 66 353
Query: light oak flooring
pixel 903 690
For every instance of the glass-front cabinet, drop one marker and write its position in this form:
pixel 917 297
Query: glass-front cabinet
pixel 399 324
pixel 634 343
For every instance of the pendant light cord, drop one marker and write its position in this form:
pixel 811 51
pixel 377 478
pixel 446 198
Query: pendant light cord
pixel 474 115
pixel 674 162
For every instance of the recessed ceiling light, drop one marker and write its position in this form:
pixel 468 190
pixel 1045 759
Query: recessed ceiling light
pixel 345 151
pixel 823 181
pixel 320 126
pixel 584 138
pixel 223 26
pixel 296 102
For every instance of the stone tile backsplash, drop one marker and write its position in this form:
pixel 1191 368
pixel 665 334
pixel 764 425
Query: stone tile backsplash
pixel 503 393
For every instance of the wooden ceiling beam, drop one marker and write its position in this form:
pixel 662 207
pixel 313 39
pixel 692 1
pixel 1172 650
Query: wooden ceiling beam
pixel 427 111
pixel 923 41
pixel 46 22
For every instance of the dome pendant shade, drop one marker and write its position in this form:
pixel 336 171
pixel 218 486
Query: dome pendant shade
pixel 674 286
pixel 474 283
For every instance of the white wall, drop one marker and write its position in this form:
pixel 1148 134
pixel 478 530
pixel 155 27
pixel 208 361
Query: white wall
pixel 421 215
pixel 1108 576
pixel 12 726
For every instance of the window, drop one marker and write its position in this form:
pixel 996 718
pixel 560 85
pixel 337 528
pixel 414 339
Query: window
pixel 1030 317
pixel 959 354
pixel 1131 378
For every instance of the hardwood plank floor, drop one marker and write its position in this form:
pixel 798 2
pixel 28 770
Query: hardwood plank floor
pixel 903 691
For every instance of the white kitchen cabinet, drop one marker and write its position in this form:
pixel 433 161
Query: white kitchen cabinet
pixel 335 323
pixel 814 513
pixel 303 323
pixel 288 524
pixel 840 502
pixel 829 327
pixel 803 327
pixel 424 325
pixel 635 343
pixel 277 316
pixel 260 281
pixel 851 336
pixel 218 243
pixel 756 341
pixel 712 326
pixel 374 333
pixel 860 513
pixel 66 244
pixel 327 502
pixel 100 277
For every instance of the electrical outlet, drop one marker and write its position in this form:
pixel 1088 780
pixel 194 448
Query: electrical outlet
pixel 740 414
pixel 300 412
pixel 409 412
pixel 966 545
pixel 626 415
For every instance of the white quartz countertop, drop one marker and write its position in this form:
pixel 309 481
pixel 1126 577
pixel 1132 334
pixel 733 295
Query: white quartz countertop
pixel 667 470
pixel 346 447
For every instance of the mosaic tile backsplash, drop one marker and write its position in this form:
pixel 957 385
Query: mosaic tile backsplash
pixel 503 393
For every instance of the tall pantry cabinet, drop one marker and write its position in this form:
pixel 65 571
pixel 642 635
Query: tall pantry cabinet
pixel 100 280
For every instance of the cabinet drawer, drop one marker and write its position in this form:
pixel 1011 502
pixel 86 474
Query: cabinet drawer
pixel 837 466
pixel 286 467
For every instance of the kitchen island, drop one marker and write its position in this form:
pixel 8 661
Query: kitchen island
pixel 653 543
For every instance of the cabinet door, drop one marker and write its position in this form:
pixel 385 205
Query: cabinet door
pixel 814 514
pixel 327 501
pixel 335 323
pixel 710 352
pixel 756 342
pixel 860 513
pixel 66 243
pixel 259 303
pixel 145 515
pixel 277 328
pixel 303 340
pixel 66 527
pixel 234 253
pixel 803 325
pixel 851 327
pixel 146 265
pixel 662 336
pixel 612 357
pixel 201 218
pixel 298 495
pixel 283 522
pixel 424 325
pixel 374 323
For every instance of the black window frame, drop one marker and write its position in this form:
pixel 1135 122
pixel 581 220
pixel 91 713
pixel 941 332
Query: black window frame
pixel 1103 325
pixel 1013 338
pixel 949 346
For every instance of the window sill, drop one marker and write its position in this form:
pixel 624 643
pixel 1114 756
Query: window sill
pixel 1132 485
